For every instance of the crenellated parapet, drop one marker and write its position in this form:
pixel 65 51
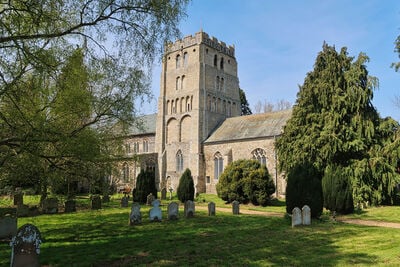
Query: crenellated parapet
pixel 198 38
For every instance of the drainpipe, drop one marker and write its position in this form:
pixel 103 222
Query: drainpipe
pixel 276 168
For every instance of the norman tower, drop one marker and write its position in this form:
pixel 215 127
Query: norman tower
pixel 199 89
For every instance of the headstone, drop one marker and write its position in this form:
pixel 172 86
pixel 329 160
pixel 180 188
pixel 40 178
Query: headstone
pixel 189 209
pixel 211 209
pixel 124 201
pixel 306 215
pixel 296 217
pixel 173 211
pixel 150 199
pixel 18 199
pixel 135 217
pixel 23 210
pixel 155 213
pixel 96 202
pixel 8 222
pixel 106 199
pixel 164 193
pixel 50 205
pixel 26 247
pixel 70 206
pixel 235 207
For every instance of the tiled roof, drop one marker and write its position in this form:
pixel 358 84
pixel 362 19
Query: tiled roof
pixel 144 125
pixel 251 126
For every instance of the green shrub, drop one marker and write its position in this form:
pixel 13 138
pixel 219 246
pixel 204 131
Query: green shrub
pixel 145 184
pixel 304 188
pixel 246 181
pixel 185 189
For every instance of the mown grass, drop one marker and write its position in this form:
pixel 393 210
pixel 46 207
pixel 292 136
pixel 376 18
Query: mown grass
pixel 103 238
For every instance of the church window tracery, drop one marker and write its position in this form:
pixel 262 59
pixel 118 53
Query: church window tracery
pixel 179 161
pixel 260 155
pixel 218 165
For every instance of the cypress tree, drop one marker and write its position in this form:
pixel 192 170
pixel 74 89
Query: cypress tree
pixel 185 189
pixel 145 184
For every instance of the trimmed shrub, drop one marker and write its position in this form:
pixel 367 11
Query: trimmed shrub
pixel 304 188
pixel 246 181
pixel 185 189
pixel 145 184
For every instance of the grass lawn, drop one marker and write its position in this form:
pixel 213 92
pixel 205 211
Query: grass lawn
pixel 103 238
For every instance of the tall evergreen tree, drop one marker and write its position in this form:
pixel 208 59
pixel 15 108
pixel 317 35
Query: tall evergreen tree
pixel 244 104
pixel 185 189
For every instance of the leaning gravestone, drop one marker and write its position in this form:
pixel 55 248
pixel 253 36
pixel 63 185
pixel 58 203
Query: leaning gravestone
pixel 155 214
pixel 8 222
pixel 150 199
pixel 296 217
pixel 211 209
pixel 235 207
pixel 18 199
pixel 164 193
pixel 135 217
pixel 26 247
pixel 189 209
pixel 173 210
pixel 124 202
pixel 96 202
pixel 70 206
pixel 50 205
pixel 306 215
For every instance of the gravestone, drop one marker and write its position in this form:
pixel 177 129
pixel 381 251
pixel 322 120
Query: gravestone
pixel 106 199
pixel 50 205
pixel 164 193
pixel 23 210
pixel 124 202
pixel 189 209
pixel 306 215
pixel 235 207
pixel 173 211
pixel 8 222
pixel 296 217
pixel 211 209
pixel 135 217
pixel 18 199
pixel 96 202
pixel 26 247
pixel 155 214
pixel 150 199
pixel 70 206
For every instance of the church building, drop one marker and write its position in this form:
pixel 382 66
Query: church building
pixel 198 123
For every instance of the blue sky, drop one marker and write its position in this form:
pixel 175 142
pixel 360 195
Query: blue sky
pixel 277 42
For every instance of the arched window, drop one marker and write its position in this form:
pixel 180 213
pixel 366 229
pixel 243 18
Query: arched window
pixel 178 83
pixel 125 172
pixel 218 165
pixel 178 61
pixel 182 82
pixel 136 147
pixel 259 154
pixel 179 161
pixel 185 59
pixel 217 83
pixel 215 61
pixel 222 84
pixel 221 63
pixel 145 146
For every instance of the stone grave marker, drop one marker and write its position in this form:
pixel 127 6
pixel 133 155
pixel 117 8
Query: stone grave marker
pixel 150 199
pixel 235 207
pixel 173 211
pixel 306 215
pixel 8 222
pixel 18 199
pixel 96 202
pixel 155 214
pixel 50 205
pixel 211 209
pixel 26 247
pixel 135 217
pixel 124 201
pixel 296 217
pixel 164 193
pixel 189 209
pixel 106 199
pixel 70 206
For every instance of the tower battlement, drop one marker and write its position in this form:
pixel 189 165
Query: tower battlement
pixel 198 38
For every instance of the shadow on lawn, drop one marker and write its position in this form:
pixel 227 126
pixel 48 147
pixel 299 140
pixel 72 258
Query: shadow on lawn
pixel 105 239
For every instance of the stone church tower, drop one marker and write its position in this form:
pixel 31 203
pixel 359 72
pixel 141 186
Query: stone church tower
pixel 199 89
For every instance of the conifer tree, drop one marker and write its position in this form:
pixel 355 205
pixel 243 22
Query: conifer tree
pixel 244 104
pixel 185 189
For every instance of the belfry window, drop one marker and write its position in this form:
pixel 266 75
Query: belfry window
pixel 259 154
pixel 185 59
pixel 221 63
pixel 179 161
pixel 218 165
pixel 215 60
pixel 178 61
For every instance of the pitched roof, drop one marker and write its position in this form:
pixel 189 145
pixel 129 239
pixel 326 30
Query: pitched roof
pixel 145 124
pixel 251 126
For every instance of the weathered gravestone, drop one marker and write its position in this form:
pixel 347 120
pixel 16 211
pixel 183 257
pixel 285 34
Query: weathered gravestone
pixel 306 215
pixel 164 193
pixel 50 205
pixel 8 222
pixel 18 199
pixel 150 199
pixel 70 206
pixel 96 202
pixel 26 247
pixel 189 209
pixel 296 217
pixel 124 201
pixel 135 217
pixel 235 207
pixel 106 199
pixel 173 210
pixel 211 209
pixel 155 214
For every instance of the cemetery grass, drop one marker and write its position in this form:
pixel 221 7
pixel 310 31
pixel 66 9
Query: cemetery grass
pixel 103 238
